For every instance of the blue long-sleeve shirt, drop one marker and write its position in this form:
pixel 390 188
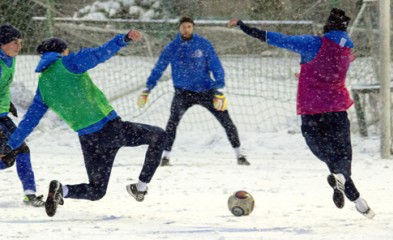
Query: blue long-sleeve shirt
pixel 192 61
pixel 78 62
pixel 306 45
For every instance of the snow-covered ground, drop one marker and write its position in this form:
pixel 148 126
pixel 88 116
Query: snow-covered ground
pixel 189 199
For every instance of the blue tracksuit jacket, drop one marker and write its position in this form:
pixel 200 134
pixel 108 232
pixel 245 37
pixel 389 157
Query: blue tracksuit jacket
pixel 192 63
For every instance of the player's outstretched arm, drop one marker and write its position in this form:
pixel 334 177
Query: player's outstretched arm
pixel 299 44
pixel 253 32
pixel 85 59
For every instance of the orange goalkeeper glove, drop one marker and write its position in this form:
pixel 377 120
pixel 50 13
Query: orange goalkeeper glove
pixel 142 99
pixel 220 102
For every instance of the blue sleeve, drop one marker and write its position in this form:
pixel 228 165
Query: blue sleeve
pixel 85 59
pixel 161 64
pixel 215 67
pixel 31 119
pixel 253 32
pixel 302 44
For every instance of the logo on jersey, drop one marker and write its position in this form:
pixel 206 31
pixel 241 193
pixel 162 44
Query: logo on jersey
pixel 197 54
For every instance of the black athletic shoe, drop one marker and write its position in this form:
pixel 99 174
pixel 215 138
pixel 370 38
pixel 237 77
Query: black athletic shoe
pixel 55 198
pixel 33 200
pixel 241 160
pixel 337 182
pixel 133 191
pixel 165 161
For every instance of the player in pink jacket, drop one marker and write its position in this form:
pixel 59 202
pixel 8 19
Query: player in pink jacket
pixel 323 99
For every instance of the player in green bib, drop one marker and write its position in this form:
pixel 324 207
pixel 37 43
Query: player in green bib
pixel 65 87
pixel 10 46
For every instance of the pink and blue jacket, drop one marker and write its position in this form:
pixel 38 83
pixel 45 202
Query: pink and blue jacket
pixel 324 64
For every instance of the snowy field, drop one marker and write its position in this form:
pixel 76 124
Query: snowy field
pixel 189 199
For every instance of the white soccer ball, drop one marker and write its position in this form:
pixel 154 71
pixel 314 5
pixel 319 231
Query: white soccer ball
pixel 241 203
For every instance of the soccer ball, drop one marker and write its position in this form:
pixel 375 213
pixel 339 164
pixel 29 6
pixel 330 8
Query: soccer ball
pixel 241 203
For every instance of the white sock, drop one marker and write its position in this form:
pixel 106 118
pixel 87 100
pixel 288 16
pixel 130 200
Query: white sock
pixel 141 186
pixel 65 190
pixel 29 192
pixel 238 151
pixel 166 154
pixel 361 205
